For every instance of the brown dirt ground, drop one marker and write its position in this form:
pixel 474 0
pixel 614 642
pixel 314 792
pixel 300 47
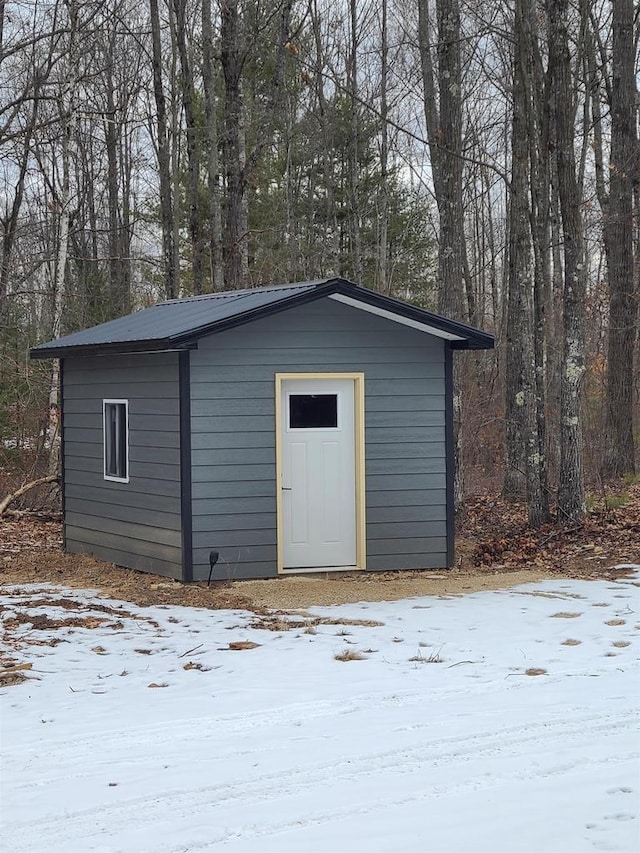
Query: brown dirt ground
pixel 495 550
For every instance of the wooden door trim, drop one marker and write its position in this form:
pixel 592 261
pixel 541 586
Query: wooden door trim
pixel 360 478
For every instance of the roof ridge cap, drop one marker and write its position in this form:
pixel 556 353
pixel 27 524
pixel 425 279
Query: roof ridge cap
pixel 245 291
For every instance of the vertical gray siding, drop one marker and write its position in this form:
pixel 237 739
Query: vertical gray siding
pixel 233 438
pixel 134 524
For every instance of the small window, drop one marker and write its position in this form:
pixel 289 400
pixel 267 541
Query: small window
pixel 313 411
pixel 116 440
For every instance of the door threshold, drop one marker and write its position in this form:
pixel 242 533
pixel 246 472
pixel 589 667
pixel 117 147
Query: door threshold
pixel 287 570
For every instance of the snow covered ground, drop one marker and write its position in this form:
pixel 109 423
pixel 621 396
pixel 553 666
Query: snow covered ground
pixel 145 732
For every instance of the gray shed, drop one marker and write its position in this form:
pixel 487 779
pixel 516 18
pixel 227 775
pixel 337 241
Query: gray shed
pixel 297 428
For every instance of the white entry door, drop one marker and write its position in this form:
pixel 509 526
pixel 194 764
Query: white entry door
pixel 318 478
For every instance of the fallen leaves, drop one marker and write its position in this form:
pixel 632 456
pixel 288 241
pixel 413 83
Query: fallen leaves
pixel 608 536
pixel 26 610
pixel 195 665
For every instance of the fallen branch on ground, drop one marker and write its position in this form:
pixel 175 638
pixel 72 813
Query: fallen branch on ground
pixel 6 502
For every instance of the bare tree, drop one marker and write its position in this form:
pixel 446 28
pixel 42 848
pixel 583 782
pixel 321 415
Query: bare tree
pixel 521 389
pixel 355 242
pixel 240 164
pixel 213 168
pixel 193 146
pixel 169 248
pixel 66 106
pixel 571 495
pixel 233 54
pixel 617 209
pixel 443 118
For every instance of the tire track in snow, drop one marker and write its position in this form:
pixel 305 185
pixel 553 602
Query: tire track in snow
pixel 237 723
pixel 219 730
pixel 280 715
pixel 430 792
pixel 190 802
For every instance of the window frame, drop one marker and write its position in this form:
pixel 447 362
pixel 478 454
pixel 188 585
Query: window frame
pixel 121 402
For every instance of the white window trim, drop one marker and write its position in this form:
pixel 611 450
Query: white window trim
pixel 109 477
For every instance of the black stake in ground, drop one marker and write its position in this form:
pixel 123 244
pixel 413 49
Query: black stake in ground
pixel 213 559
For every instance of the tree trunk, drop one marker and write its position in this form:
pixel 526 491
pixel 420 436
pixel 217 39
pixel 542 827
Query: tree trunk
pixel 67 114
pixel 118 298
pixel 354 160
pixel 235 248
pixel 240 164
pixel 619 455
pixel 384 283
pixel 330 247
pixel 521 357
pixel 169 252
pixel 538 132
pixel 571 496
pixel 444 132
pixel 193 147
pixel 10 221
pixel 213 168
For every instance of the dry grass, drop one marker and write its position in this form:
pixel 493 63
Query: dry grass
pixel 10 679
pixel 552 595
pixel 571 642
pixel 434 657
pixel 621 644
pixel 282 622
pixel 349 654
pixel 615 622
pixel 565 614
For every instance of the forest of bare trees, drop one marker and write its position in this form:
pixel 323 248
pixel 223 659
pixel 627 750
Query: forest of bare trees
pixel 478 158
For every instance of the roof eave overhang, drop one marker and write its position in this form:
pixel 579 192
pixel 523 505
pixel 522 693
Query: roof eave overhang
pixel 116 348
pixel 187 340
pixel 459 335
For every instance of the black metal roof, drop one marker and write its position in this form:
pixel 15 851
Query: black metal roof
pixel 178 323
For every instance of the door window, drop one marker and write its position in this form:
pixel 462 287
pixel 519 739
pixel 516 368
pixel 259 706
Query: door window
pixel 313 411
